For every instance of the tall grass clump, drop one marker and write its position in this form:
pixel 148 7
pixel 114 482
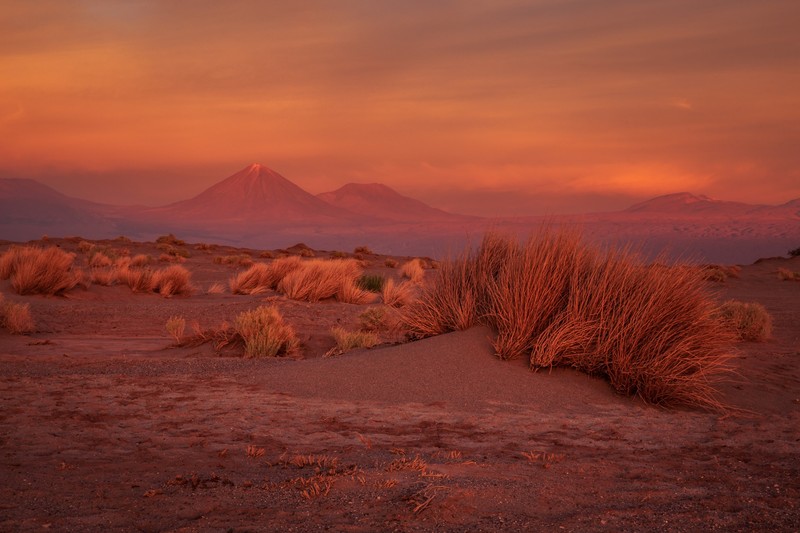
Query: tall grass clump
pixel 351 340
pixel 413 270
pixel 265 334
pixel 397 294
pixel 261 277
pixel 172 281
pixel 34 270
pixel 319 279
pixel 371 282
pixel 750 321
pixel 15 317
pixel 652 332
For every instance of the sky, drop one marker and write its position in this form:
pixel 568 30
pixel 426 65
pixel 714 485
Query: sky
pixel 484 107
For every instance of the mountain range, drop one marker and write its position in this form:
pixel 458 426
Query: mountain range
pixel 258 207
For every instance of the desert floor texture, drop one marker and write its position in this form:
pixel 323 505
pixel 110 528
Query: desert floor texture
pixel 106 427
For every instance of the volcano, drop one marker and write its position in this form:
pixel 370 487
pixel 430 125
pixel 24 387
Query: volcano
pixel 255 194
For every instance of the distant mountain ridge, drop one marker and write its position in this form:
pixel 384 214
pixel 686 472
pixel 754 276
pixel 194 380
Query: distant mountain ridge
pixel 382 202
pixel 259 208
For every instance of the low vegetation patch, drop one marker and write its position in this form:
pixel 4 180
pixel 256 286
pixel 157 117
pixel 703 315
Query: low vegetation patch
pixel 371 282
pixel 350 293
pixel 651 332
pixel 319 279
pixel 391 263
pixel 262 277
pixel 170 239
pixel 351 340
pixel 750 321
pixel 172 281
pixel 265 334
pixel 787 275
pixel 15 317
pixel 365 250
pixel 397 294
pixel 413 270
pixel 34 270
pixel 175 326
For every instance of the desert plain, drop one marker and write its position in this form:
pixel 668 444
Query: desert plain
pixel 108 424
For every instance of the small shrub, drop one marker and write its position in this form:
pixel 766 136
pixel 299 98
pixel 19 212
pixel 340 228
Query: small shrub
pixel 175 326
pixel 714 273
pixel 351 340
pixel 794 253
pixel 85 246
pixel 317 279
pixel 265 334
pixel 137 279
pixel 103 276
pixel 306 252
pixel 172 281
pixel 205 247
pixel 787 275
pixel 216 288
pixel 262 277
pixel 170 239
pixel 413 270
pixel 373 319
pixel 99 259
pixel 140 260
pixel 391 263
pixel 266 254
pixel 350 293
pixel 123 239
pixel 397 294
pixel 750 321
pixel 338 255
pixel 34 270
pixel 15 317
pixel 363 250
pixel 371 282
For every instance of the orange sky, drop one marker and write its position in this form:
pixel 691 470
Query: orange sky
pixel 544 106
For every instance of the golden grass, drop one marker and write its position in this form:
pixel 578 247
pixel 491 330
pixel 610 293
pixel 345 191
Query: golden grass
pixel 374 319
pixel 175 326
pixel 397 294
pixel 16 317
pixel 172 281
pixel 391 263
pixel 34 270
pixel 265 334
pixel 103 276
pixel 140 260
pixel 651 332
pixel 351 340
pixel 319 279
pixel 350 293
pixel 750 321
pixel 787 275
pixel 261 277
pixel 99 259
pixel 216 288
pixel 413 270
pixel 137 279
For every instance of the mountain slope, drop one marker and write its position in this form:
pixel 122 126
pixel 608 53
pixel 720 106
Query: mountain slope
pixel 29 209
pixel 254 194
pixel 684 203
pixel 379 201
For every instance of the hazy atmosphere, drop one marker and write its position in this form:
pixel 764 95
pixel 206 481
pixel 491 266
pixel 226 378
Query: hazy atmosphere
pixel 475 107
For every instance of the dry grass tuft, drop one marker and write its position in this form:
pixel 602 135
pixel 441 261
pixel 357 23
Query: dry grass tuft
pixel 787 275
pixel 175 326
pixel 15 317
pixel 319 279
pixel 140 260
pixel 651 332
pixel 34 270
pixel 137 279
pixel 363 250
pixel 350 293
pixel 99 260
pixel 397 294
pixel 216 288
pixel 262 277
pixel 374 319
pixel 103 276
pixel 391 263
pixel 351 340
pixel 172 281
pixel 750 321
pixel 265 334
pixel 413 270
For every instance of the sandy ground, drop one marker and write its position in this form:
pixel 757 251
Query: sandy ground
pixel 104 427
